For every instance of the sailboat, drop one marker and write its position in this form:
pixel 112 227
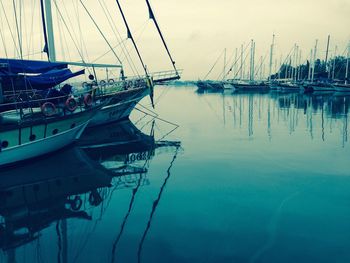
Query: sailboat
pixel 119 95
pixel 316 86
pixel 34 125
pixel 212 85
pixel 345 87
pixel 251 83
pixel 38 117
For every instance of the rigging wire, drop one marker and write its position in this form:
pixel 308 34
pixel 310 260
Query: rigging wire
pixel 235 62
pixel 65 44
pixel 222 53
pixel 155 205
pixel 82 40
pixel 152 16
pixel 70 34
pixel 33 4
pixel 77 39
pixel 62 42
pixel 2 36
pixel 142 30
pixel 92 19
pixel 222 75
pixel 119 38
pixel 17 28
pixel 241 67
pixel 131 37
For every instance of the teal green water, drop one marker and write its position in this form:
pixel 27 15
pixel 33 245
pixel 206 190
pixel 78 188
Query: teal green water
pixel 257 178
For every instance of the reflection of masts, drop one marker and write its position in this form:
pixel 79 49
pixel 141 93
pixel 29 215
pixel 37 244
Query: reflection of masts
pixel 314 62
pixel 269 120
pixel 271 57
pixel 11 256
pixel 65 241
pixel 61 229
pixel 310 119
pixel 250 116
pixel 154 207
pixel 345 126
pixel 131 204
pixel 115 244
pixel 223 109
pixel 347 65
pixel 322 122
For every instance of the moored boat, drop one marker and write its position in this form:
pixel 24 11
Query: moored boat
pixel 42 127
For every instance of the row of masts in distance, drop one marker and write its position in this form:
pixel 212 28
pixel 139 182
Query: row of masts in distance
pixel 235 68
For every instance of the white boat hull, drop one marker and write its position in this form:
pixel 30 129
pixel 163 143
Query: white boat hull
pixel 229 86
pixel 342 89
pixel 40 147
pixel 116 112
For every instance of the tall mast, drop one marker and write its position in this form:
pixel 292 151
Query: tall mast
pixel 329 38
pixel 152 16
pixel 271 55
pixel 261 65
pixel 296 58
pixel 310 65
pixel 347 65
pixel 314 62
pixel 241 72
pixel 234 65
pixel 224 72
pixel 131 37
pixel 253 62
pixel 334 59
pixel 299 66
pixel 280 68
pixel 50 33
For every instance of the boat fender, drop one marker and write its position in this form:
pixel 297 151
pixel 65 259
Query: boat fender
pixel 71 104
pixel 103 83
pixel 87 100
pixel 48 109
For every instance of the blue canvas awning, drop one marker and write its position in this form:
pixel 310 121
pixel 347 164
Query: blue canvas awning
pixel 15 66
pixel 51 78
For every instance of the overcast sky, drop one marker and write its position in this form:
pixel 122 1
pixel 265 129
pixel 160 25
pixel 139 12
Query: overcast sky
pixel 197 31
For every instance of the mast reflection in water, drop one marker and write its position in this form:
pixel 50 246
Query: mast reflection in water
pixel 47 199
pixel 258 177
pixel 294 111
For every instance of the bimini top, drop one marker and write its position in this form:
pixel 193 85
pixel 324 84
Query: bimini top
pixel 15 66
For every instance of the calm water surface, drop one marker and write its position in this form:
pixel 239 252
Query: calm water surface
pixel 244 178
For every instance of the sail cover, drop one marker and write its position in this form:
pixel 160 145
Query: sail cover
pixel 51 78
pixel 16 66
pixel 23 74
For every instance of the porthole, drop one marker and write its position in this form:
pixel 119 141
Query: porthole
pixel 4 144
pixel 55 131
pixel 32 137
pixel 73 126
